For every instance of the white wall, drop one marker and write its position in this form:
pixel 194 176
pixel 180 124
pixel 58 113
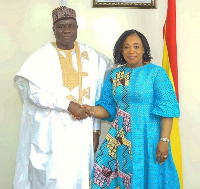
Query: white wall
pixel 188 39
pixel 26 25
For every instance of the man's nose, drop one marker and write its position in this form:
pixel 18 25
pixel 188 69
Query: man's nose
pixel 67 29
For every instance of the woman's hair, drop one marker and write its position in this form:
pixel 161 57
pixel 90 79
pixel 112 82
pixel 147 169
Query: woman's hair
pixel 117 52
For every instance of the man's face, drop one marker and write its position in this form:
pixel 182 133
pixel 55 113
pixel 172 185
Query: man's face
pixel 65 32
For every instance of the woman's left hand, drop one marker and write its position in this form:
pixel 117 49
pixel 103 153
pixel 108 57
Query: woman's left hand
pixel 162 152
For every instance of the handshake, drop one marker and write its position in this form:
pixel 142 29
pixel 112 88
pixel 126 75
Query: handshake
pixel 80 112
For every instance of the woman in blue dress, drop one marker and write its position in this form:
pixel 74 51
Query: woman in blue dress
pixel 139 99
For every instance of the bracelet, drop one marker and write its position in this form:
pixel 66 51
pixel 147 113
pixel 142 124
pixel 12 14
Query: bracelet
pixel 97 131
pixel 93 110
pixel 164 139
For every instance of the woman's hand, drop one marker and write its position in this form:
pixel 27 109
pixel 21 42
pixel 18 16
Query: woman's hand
pixel 162 152
pixel 89 109
pixel 96 111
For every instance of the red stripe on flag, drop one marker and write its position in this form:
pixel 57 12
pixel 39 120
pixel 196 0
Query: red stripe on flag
pixel 170 34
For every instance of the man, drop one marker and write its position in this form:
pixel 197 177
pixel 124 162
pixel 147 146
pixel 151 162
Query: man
pixel 55 150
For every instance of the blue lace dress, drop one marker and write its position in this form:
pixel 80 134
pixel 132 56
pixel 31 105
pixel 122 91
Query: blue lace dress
pixel 136 100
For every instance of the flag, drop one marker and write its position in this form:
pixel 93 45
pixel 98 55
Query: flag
pixel 170 65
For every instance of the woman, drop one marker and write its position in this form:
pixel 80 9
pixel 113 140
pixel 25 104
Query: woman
pixel 139 96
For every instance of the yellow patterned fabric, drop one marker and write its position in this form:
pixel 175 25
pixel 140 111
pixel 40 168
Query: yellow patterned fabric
pixel 121 79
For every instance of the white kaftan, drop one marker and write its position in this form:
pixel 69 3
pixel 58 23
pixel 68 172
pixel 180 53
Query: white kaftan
pixel 55 151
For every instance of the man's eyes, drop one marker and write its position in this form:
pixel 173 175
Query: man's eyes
pixel 63 27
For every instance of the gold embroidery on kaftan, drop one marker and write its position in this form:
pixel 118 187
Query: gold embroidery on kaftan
pixel 71 98
pixel 85 55
pixel 71 77
pixel 86 92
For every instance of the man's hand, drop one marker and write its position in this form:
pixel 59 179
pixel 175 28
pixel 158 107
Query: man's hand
pixel 95 141
pixel 77 111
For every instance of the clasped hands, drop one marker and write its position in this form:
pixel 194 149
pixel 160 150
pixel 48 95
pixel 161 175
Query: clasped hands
pixel 80 112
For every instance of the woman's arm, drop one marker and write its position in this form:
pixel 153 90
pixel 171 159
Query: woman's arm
pixel 97 111
pixel 166 127
pixel 163 145
pixel 166 106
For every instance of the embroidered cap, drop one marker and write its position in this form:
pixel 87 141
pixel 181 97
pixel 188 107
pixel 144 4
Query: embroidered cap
pixel 63 12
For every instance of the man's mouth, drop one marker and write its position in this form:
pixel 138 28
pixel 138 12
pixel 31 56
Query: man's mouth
pixel 67 36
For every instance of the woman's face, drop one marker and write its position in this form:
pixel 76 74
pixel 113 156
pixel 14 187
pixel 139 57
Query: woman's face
pixel 132 51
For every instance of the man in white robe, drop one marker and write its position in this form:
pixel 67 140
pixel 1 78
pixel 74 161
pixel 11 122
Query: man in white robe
pixel 56 151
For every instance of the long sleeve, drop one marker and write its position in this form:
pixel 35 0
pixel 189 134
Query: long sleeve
pixel 41 98
pixel 44 99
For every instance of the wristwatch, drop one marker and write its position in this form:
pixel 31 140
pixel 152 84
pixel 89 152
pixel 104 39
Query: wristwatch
pixel 164 139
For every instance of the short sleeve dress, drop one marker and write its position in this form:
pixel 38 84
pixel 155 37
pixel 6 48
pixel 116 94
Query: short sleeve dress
pixel 136 99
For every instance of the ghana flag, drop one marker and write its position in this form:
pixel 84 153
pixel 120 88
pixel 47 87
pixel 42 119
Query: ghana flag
pixel 170 65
